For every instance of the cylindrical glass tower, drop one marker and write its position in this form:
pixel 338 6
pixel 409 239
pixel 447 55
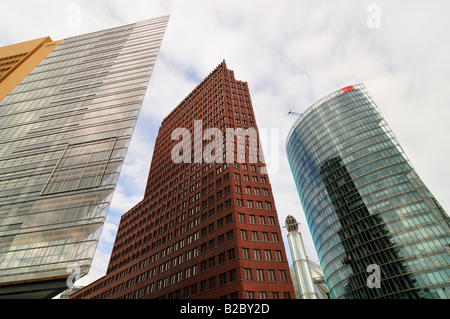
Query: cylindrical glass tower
pixel 377 229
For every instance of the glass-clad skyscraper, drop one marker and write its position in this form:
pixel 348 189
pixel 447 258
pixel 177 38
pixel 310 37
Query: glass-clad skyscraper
pixel 377 229
pixel 64 132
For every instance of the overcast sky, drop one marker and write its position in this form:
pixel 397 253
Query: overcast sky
pixel 291 53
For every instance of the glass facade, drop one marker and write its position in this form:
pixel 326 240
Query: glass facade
pixel 65 130
pixel 206 229
pixel 365 204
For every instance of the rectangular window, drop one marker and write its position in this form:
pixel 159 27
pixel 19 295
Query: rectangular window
pixel 283 275
pixel 275 237
pixel 212 282
pixel 223 279
pixel 271 274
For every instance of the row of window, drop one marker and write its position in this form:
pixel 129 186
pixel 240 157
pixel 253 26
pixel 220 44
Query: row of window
pixel 258 236
pixel 158 198
pixel 250 204
pixel 211 244
pixel 122 240
pixel 13 56
pixel 259 275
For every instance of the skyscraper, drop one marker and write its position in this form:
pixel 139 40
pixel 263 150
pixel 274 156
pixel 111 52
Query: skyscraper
pixel 68 111
pixel 207 226
pixel 377 229
pixel 319 281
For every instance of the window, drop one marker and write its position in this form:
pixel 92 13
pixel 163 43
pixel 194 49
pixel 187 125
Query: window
pixel 283 275
pixel 212 282
pixel 278 255
pixel 202 285
pixel 221 258
pixel 248 274
pixel 82 165
pixel 271 220
pixel 223 279
pixel 262 220
pixel 259 274
pixel 231 254
pixel 212 262
pixel 233 275
pixel 275 237
pixel 245 253
pixel 257 253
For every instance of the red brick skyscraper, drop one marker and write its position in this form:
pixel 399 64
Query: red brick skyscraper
pixel 203 230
